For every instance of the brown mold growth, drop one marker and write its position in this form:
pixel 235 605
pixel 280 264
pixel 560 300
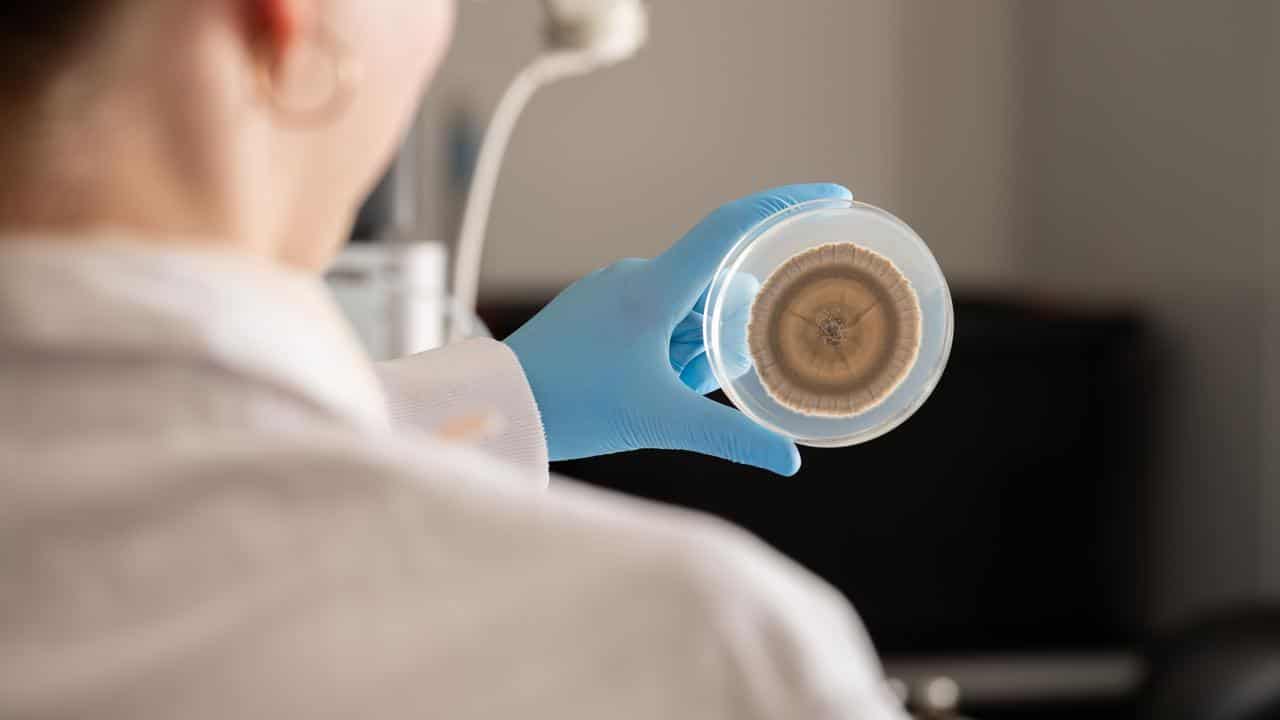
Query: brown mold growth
pixel 834 330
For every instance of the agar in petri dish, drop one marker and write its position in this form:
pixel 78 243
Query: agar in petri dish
pixel 830 322
pixel 834 330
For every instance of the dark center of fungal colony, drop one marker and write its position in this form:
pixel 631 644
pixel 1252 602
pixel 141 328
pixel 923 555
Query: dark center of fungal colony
pixel 833 327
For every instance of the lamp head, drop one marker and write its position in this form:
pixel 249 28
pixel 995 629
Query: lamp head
pixel 610 31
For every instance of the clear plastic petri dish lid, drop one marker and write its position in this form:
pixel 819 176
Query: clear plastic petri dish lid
pixel 829 322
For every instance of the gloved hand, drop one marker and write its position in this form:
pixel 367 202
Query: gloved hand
pixel 616 361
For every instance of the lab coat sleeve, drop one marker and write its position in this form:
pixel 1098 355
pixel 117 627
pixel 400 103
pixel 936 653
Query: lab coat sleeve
pixel 476 383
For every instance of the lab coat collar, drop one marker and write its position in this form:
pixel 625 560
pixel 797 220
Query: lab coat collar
pixel 117 298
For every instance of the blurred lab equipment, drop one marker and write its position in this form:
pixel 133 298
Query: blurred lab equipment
pixel 583 35
pixel 936 698
pixel 1224 667
pixel 394 294
pixel 394 284
pixel 930 698
pixel 390 284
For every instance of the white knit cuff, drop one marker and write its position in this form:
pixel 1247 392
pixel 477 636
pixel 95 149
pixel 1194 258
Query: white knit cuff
pixel 473 386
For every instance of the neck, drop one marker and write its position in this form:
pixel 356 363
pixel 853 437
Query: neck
pixel 108 173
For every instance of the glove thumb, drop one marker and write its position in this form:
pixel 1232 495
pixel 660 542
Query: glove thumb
pixel 710 428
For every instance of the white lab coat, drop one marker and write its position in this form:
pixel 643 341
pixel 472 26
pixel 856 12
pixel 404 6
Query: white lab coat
pixel 210 508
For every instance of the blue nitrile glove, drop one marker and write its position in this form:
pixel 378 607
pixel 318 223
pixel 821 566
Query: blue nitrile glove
pixel 616 361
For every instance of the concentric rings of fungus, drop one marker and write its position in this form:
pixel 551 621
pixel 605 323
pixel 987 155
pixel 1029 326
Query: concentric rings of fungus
pixel 834 330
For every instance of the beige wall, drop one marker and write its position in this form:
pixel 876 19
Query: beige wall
pixel 1142 177
pixel 907 103
pixel 960 105
pixel 1270 507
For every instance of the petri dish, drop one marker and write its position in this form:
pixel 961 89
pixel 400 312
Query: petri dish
pixel 829 322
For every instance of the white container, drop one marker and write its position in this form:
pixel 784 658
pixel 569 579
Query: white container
pixel 394 295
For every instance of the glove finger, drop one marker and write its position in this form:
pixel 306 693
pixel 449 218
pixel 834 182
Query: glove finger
pixel 686 341
pixel 690 263
pixel 697 376
pixel 700 305
pixel 707 427
pixel 739 294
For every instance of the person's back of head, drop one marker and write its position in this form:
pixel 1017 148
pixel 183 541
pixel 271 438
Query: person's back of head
pixel 251 125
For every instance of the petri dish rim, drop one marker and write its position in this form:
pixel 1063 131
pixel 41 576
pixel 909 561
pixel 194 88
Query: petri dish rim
pixel 932 367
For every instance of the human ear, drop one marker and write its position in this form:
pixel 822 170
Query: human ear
pixel 306 73
pixel 274 26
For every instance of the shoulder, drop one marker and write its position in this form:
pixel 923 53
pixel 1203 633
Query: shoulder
pixel 689 595
pixel 710 600
pixel 416 559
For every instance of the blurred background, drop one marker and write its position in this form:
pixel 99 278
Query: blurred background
pixel 1090 504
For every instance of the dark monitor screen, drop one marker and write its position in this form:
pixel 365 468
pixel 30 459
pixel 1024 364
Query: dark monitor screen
pixel 1004 515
